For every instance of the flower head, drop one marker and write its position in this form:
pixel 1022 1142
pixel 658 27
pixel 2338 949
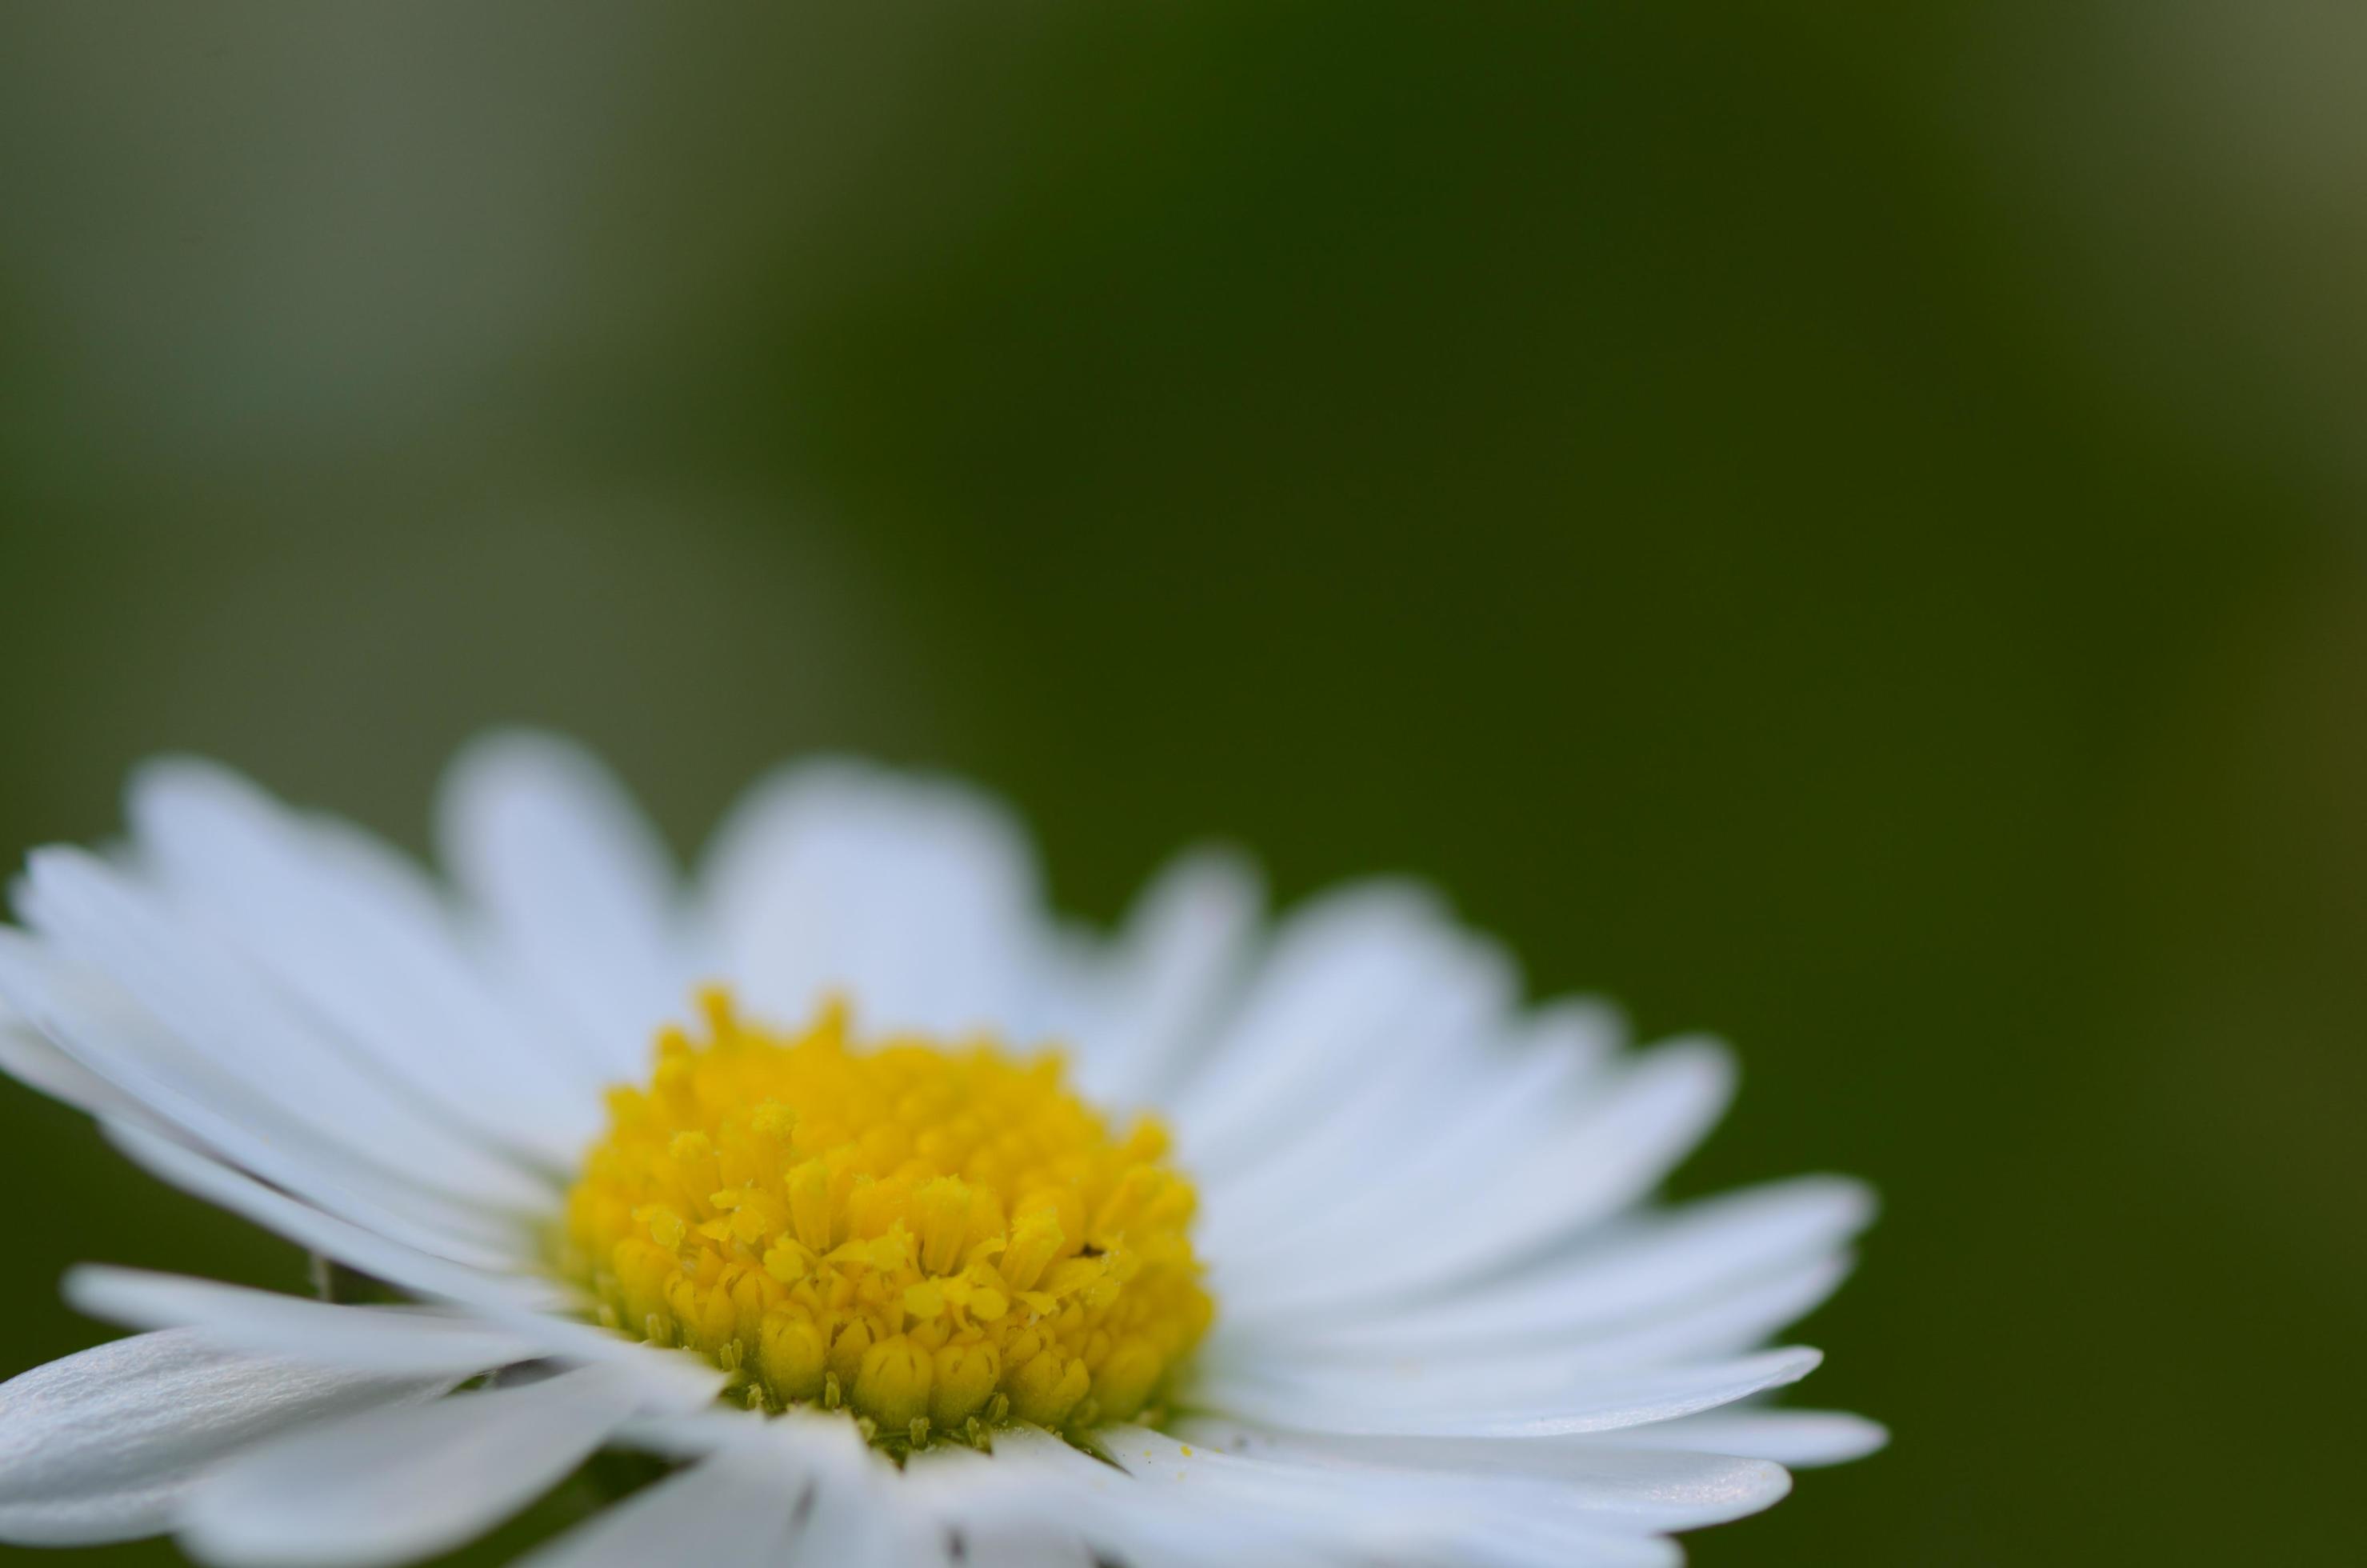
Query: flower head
pixel 897 1221
pixel 940 1240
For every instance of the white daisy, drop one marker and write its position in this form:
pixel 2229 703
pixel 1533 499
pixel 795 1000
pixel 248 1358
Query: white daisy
pixel 881 1278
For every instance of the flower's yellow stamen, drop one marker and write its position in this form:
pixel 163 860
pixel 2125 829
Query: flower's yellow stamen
pixel 939 1237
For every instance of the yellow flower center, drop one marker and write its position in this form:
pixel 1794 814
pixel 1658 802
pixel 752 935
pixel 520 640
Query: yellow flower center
pixel 940 1237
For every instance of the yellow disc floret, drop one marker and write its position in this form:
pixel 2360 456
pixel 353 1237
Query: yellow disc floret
pixel 941 1238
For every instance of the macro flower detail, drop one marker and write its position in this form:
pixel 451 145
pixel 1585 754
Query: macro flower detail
pixel 895 1219
pixel 929 1237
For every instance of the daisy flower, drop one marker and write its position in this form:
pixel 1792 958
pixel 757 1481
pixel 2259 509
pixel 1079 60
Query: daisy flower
pixel 900 1221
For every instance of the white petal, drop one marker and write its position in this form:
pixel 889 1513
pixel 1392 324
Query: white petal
pixel 520 1305
pixel 109 1034
pixel 1351 1513
pixel 359 936
pixel 580 893
pixel 1658 1490
pixel 1037 1485
pixel 1158 988
pixel 1718 1326
pixel 1518 1093
pixel 1426 1063
pixel 1801 1438
pixel 1161 1505
pixel 1327 1004
pixel 692 1434
pixel 104 1445
pixel 1636 1277
pixel 206 994
pixel 1610 1153
pixel 1480 1370
pixel 27 1056
pixel 390 1487
pixel 858 1520
pixel 844 1506
pixel 374 1254
pixel 917 899
pixel 1001 1514
pixel 1357 1402
pixel 736 1506
pixel 261 1323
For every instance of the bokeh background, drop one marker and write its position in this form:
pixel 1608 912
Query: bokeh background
pixel 1839 526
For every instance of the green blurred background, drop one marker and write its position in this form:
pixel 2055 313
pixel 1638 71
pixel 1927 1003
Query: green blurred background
pixel 1840 529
